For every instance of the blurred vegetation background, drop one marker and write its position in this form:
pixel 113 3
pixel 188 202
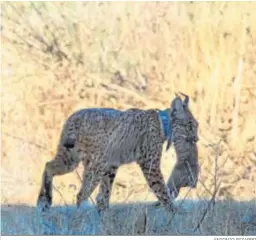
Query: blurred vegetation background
pixel 58 57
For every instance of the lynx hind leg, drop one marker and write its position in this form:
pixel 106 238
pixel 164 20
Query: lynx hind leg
pixel 63 163
pixel 104 194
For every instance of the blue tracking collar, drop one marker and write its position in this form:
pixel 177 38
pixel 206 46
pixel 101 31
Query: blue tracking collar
pixel 163 115
pixel 166 123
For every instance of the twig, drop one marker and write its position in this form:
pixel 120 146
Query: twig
pixel 93 203
pixel 216 186
pixel 54 102
pixel 206 209
pixel 216 167
pixel 141 224
pixel 182 201
pixel 207 189
pixel 61 195
pixel 23 140
pixel 237 89
pixel 36 36
pixel 102 228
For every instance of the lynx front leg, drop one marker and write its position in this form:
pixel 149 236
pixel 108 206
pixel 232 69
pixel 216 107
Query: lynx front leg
pixel 105 189
pixel 155 180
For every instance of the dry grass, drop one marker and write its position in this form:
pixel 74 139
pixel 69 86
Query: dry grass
pixel 59 57
pixel 226 218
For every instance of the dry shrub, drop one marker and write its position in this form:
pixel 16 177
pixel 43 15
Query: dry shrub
pixel 59 57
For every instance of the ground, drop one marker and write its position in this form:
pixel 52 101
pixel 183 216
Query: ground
pixel 222 218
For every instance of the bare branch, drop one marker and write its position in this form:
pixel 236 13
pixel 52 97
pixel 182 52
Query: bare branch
pixel 212 201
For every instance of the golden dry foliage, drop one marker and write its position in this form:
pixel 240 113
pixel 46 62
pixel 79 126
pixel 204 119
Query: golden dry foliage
pixel 60 57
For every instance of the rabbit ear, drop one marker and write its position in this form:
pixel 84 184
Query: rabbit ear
pixel 176 104
pixel 186 100
pixel 178 108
